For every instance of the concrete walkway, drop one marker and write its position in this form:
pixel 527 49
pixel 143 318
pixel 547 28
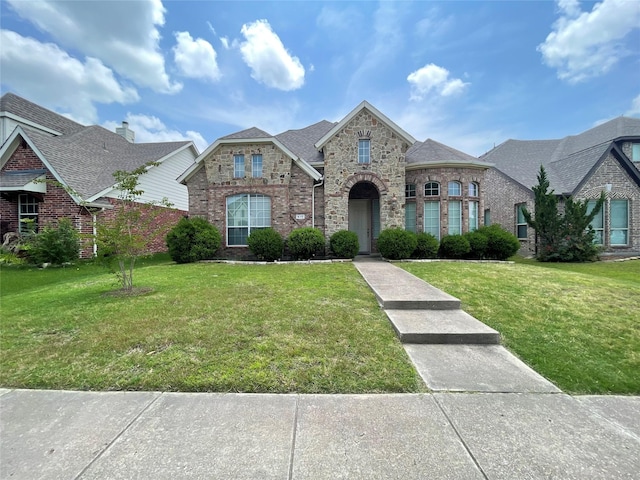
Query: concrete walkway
pixel 531 432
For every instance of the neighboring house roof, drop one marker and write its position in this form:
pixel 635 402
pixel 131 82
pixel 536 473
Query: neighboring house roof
pixel 85 158
pixel 567 161
pixel 363 105
pixel 431 153
pixel 21 109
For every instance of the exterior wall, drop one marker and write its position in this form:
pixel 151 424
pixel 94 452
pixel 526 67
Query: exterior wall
pixel 386 170
pixel 444 175
pixel 503 194
pixel 622 188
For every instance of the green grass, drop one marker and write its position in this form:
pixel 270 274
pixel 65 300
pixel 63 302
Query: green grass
pixel 576 324
pixel 204 327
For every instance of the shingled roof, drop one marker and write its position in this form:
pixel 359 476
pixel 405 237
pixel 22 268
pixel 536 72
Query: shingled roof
pixel 22 108
pixel 567 161
pixel 83 157
pixel 431 152
pixel 302 141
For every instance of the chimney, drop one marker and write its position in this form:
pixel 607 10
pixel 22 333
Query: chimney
pixel 124 131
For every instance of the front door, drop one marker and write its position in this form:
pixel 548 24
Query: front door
pixel 360 222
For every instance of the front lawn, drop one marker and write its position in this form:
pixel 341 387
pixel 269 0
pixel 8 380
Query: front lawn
pixel 576 324
pixel 204 327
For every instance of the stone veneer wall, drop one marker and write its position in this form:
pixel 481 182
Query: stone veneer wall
pixel 386 170
pixel 444 175
pixel 503 194
pixel 622 188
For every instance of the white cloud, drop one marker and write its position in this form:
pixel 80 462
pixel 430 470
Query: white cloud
pixel 269 60
pixel 56 80
pixel 430 78
pixel 151 129
pixel 195 58
pixel 583 45
pixel 634 111
pixel 123 35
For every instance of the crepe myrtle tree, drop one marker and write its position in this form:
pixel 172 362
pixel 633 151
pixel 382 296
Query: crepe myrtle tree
pixel 125 235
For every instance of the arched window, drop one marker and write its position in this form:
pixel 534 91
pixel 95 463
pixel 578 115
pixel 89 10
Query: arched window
pixel 473 189
pixel 455 189
pixel 431 189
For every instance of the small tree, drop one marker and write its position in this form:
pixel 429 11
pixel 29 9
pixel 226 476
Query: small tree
pixel 125 236
pixel 564 237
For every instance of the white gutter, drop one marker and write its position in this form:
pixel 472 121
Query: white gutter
pixel 313 202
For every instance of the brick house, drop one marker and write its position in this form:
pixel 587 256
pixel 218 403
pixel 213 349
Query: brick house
pixel 52 167
pixel 363 173
pixel 605 158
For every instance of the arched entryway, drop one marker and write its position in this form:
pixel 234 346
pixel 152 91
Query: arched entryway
pixel 364 213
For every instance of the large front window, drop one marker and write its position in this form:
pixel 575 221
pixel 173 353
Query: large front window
pixel 432 218
pixel 410 217
pixel 246 213
pixel 364 151
pixel 27 213
pixel 473 216
pixel 455 217
pixel 619 222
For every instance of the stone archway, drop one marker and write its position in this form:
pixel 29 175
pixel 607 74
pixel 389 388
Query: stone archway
pixel 364 213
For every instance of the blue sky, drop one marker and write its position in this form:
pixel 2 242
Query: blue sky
pixel 470 74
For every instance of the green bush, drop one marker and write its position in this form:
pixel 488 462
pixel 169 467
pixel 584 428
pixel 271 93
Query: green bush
pixel 426 247
pixel 193 239
pixel 55 245
pixel 396 243
pixel 478 243
pixel 344 244
pixel 501 244
pixel 305 242
pixel 266 244
pixel 454 246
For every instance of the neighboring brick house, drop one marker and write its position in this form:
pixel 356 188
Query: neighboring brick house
pixel 363 173
pixel 603 159
pixel 52 167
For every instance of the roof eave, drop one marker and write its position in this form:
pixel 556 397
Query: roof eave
pixel 450 163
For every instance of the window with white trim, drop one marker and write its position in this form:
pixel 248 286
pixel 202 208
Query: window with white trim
pixel 473 189
pixel 410 217
pixel 410 190
pixel 455 217
pixel 238 166
pixel 256 165
pixel 432 218
pixel 364 150
pixel 245 213
pixel 619 222
pixel 473 216
pixel 27 213
pixel 455 189
pixel 431 189
pixel 521 223
pixel 597 223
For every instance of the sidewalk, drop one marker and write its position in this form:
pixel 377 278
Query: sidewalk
pixel 129 435
pixel 489 416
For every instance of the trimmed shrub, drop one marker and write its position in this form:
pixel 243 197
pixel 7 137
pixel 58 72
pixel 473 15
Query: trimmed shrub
pixel 500 243
pixel 305 242
pixel 426 247
pixel 454 246
pixel 193 239
pixel 478 243
pixel 344 244
pixel 55 245
pixel 266 244
pixel 396 243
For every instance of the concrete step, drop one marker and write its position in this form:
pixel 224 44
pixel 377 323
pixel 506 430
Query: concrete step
pixel 440 327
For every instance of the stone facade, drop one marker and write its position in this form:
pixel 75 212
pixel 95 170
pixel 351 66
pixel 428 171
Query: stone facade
pixel 386 171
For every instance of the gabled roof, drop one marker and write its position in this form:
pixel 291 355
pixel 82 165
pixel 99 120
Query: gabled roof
pixel 252 132
pixel 21 109
pixel 568 161
pixel 85 161
pixel 377 113
pixel 431 153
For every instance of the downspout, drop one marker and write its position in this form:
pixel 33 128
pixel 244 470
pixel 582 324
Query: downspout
pixel 313 202
pixel 95 233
